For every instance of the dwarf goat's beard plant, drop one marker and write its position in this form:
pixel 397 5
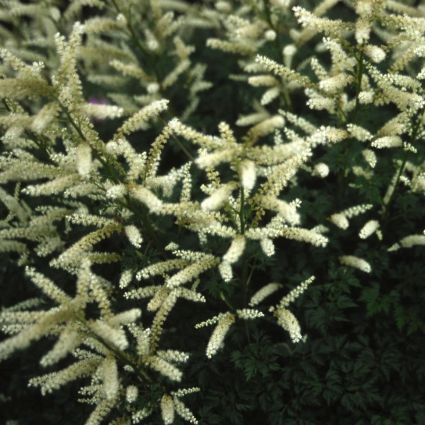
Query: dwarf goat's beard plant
pixel 142 221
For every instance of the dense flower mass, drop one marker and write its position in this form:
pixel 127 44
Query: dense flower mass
pixel 159 210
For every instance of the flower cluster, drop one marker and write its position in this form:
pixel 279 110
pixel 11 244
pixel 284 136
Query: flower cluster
pixel 141 180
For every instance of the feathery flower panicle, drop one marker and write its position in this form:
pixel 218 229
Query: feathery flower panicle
pixel 180 129
pixel 165 368
pixel 53 381
pixel 183 411
pixel 235 250
pixel 319 102
pixel 321 170
pixel 408 242
pixel 167 409
pixel 340 220
pixel 47 286
pixel 264 292
pixel 101 111
pixel 133 235
pixel 369 229
pixel 109 371
pixel 34 332
pixel 68 340
pixel 332 85
pixel 192 271
pixel 387 142
pixel 247 175
pixel 173 356
pixel 139 119
pixel 114 336
pixel 355 262
pixel 125 279
pixel 263 128
pixel 236 47
pixel 296 292
pixel 131 393
pixel 101 411
pixel 125 318
pixel 147 197
pixel 359 133
pixel 262 80
pixel 218 198
pixel 116 191
pixel 370 157
pixel 375 53
pixel 209 160
pixel 357 210
pixel 249 314
pixel 217 337
pixel 289 322
pixel 304 235
pixel 267 247
pixel 330 27
pixel 283 71
pixel 288 211
pixel 138 416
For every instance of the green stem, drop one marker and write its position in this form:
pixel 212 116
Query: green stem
pixel 287 98
pixel 359 77
pixel 180 144
pixel 223 297
pixel 385 207
pixel 399 174
pixel 242 211
pixel 123 357
pixel 117 172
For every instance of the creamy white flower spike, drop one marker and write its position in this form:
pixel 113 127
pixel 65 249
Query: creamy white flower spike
pixel 148 198
pixel 289 322
pixel 235 250
pixel 225 269
pixel 270 35
pixel 355 262
pixel 321 170
pixel 247 174
pixel 409 242
pixel 133 235
pixel 219 333
pixel 218 198
pixel 131 393
pixel 387 142
pixel 375 53
pixel 109 371
pixel 369 229
pixel 296 292
pixel 267 246
pixel 167 409
pixel 370 157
